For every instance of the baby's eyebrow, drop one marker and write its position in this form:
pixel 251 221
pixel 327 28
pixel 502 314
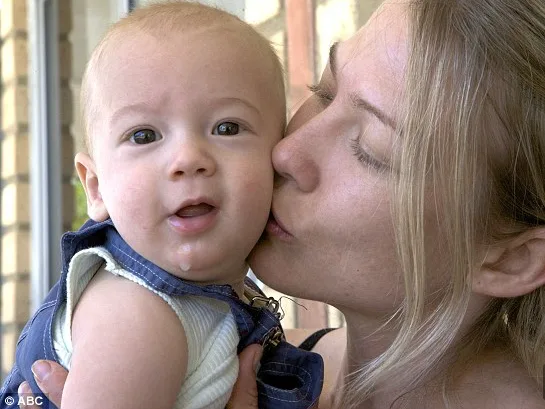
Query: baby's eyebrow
pixel 242 101
pixel 138 107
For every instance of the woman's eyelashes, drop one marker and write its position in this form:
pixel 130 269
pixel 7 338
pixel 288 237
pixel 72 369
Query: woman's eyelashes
pixel 324 95
pixel 364 157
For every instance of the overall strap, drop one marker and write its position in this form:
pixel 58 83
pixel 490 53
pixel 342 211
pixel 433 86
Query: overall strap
pixel 256 323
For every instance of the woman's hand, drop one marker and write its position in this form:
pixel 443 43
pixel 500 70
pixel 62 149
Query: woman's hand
pixel 50 377
pixel 244 394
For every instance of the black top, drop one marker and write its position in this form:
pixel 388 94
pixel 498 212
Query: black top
pixel 313 339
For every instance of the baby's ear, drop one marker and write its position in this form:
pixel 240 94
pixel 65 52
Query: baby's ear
pixel 514 268
pixel 85 166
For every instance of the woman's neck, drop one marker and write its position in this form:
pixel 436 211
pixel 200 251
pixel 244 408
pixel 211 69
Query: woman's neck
pixel 367 338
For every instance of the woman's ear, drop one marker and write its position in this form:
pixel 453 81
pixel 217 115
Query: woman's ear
pixel 85 166
pixel 514 268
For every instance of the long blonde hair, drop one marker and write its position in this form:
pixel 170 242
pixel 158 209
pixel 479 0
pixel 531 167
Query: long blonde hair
pixel 472 135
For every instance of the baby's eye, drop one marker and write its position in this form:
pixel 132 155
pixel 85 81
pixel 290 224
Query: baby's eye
pixel 226 128
pixel 144 136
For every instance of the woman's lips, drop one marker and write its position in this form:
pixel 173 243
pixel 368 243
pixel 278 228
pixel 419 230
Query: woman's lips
pixel 275 228
pixel 194 218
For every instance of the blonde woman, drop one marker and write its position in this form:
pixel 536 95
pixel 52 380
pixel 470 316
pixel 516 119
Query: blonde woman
pixel 412 198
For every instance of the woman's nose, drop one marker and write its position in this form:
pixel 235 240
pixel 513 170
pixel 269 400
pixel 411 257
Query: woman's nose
pixel 294 159
pixel 192 158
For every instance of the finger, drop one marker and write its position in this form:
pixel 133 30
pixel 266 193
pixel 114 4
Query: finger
pixel 50 377
pixel 25 395
pixel 244 395
pixel 24 390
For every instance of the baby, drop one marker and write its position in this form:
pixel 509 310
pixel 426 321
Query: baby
pixel 183 105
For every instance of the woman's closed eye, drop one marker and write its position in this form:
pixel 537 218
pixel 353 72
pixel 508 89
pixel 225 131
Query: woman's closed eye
pixel 364 157
pixel 144 136
pixel 323 94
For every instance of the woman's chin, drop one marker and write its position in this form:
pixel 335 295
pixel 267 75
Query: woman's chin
pixel 257 260
pixel 270 262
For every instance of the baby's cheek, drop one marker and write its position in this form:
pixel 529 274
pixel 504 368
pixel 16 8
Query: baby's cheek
pixel 257 204
pixel 122 201
pixel 259 190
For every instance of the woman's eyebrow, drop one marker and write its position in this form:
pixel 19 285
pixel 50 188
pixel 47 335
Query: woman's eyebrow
pixel 333 59
pixel 361 103
pixel 356 100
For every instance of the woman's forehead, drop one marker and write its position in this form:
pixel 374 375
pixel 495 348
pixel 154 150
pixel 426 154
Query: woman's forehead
pixel 385 33
pixel 372 63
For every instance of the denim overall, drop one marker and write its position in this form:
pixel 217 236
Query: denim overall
pixel 288 377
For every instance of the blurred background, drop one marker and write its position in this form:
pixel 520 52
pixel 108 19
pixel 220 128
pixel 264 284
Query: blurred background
pixel 44 48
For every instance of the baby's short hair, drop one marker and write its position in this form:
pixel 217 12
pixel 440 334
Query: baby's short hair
pixel 160 19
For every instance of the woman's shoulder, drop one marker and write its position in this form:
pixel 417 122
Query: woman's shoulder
pixel 498 380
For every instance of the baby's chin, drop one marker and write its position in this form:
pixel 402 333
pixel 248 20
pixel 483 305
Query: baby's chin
pixel 197 274
pixel 205 273
pixel 206 276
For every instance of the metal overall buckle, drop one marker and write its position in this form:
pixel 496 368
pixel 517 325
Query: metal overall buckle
pixel 275 335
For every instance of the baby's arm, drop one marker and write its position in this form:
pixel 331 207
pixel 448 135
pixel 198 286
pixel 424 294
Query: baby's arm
pixel 129 348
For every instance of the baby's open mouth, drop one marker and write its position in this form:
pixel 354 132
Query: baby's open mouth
pixel 195 210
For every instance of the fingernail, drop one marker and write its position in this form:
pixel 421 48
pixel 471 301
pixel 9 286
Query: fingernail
pixel 257 359
pixel 24 389
pixel 41 370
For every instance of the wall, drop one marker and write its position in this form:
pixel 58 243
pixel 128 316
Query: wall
pixel 15 264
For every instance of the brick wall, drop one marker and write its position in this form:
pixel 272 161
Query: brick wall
pixel 14 176
pixel 15 167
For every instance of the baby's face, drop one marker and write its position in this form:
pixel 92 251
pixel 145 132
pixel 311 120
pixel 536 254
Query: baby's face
pixel 182 146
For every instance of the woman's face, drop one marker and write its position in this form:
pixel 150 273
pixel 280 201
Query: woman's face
pixel 331 237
